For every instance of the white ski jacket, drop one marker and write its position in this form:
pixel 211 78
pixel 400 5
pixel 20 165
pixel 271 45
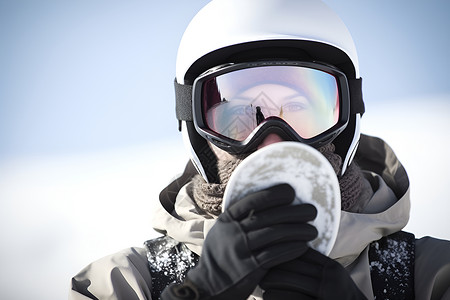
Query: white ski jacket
pixel 126 275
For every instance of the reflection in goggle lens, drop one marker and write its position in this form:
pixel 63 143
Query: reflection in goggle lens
pixel 236 103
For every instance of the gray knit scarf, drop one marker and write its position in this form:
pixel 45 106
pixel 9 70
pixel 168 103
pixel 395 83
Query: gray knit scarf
pixel 209 196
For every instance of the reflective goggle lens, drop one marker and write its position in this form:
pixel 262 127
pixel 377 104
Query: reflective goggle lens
pixel 234 104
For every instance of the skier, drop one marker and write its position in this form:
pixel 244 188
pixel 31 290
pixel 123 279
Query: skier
pixel 277 55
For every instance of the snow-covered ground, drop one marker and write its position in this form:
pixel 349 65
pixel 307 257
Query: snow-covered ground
pixel 59 213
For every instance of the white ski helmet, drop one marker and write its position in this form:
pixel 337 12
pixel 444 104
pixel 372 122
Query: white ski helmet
pixel 229 31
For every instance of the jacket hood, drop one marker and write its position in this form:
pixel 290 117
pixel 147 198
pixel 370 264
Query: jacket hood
pixel 385 212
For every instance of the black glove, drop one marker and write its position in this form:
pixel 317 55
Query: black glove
pixel 256 233
pixel 310 276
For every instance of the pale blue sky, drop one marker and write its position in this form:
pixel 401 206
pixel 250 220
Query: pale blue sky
pixel 81 76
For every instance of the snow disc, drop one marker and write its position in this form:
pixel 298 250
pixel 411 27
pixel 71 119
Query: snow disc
pixel 306 170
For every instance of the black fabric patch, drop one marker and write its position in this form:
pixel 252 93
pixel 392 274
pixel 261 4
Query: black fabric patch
pixel 392 266
pixel 169 262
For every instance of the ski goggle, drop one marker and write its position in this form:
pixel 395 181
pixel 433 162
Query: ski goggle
pixel 235 106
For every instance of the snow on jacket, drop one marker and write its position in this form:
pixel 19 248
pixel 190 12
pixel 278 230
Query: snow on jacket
pixel 126 274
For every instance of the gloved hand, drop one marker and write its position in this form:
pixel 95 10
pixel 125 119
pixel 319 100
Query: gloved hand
pixel 254 234
pixel 310 276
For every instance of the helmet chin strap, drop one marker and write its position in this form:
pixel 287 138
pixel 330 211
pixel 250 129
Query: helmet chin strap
pixel 203 158
pixel 353 145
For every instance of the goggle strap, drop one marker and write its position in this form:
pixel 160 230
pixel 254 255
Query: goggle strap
pixel 183 105
pixel 356 97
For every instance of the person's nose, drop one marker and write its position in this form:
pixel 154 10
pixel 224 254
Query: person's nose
pixel 270 139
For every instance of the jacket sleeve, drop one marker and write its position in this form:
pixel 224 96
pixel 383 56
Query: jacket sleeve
pixel 432 269
pixel 124 275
